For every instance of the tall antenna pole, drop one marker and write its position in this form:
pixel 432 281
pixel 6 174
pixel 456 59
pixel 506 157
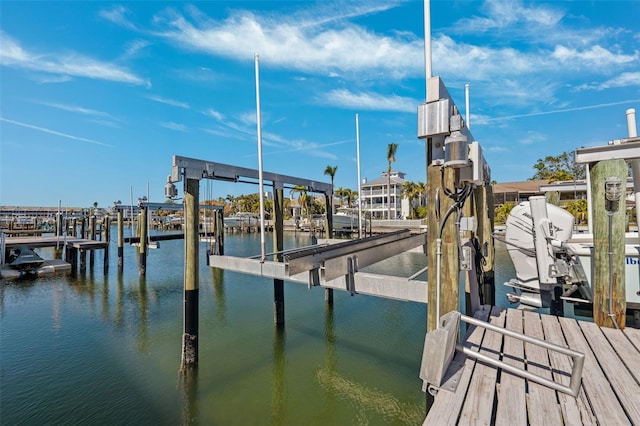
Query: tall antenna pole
pixel 260 180
pixel 427 39
pixel 359 181
pixel 466 105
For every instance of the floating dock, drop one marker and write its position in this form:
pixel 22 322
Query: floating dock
pixel 48 267
pixel 609 393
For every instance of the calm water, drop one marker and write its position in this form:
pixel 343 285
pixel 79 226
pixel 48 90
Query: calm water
pixel 105 349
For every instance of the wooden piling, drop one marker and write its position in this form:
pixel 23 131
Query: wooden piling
pixel 278 246
pixel 120 241
pixel 107 235
pixel 142 259
pixel 599 172
pixel 191 274
pixel 219 232
pixel 449 279
pixel 485 213
pixel 92 236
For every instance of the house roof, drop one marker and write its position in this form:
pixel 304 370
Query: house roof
pixel 382 180
pixel 524 186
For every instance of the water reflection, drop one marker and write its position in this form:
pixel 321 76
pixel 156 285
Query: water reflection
pixel 279 388
pixel 217 281
pixel 189 390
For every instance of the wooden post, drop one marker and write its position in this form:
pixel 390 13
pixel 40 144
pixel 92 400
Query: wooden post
pixel 73 258
pixel 142 261
pixel 191 274
pixel 92 236
pixel 218 221
pixel 485 214
pixel 120 241
pixel 328 204
pixel 449 279
pixel 83 260
pixel 106 239
pixel 601 272
pixel 278 246
pixel 83 226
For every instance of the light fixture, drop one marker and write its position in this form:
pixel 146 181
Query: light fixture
pixel 456 150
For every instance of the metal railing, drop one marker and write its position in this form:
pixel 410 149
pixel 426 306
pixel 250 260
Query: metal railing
pixel 439 346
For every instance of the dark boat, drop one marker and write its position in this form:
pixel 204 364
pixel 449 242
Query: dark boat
pixel 24 259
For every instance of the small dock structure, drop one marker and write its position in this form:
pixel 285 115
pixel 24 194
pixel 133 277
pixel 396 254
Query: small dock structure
pixel 609 393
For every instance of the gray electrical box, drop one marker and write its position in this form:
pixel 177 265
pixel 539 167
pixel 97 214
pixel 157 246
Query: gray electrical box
pixel 433 119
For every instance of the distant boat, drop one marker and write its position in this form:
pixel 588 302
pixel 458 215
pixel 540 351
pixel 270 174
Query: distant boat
pixel 240 219
pixel 347 218
pixel 24 258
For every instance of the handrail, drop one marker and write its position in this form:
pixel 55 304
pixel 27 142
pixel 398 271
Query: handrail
pixel 578 358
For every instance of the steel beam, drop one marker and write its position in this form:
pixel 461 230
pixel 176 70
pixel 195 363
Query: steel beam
pixel 193 168
pixel 627 149
pixel 387 286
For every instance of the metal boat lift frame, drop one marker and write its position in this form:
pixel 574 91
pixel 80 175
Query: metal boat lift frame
pixel 334 266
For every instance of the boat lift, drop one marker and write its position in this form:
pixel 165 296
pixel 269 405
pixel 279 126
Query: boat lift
pixel 334 266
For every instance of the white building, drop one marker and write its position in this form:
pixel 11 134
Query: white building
pixel 376 199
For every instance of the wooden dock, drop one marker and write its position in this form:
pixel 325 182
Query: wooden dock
pixel 53 241
pixel 610 390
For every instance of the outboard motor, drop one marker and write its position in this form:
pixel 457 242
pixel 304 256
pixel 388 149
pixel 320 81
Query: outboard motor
pixel 535 233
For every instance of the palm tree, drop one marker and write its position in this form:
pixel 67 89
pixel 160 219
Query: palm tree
pixel 301 190
pixel 340 193
pixel 350 196
pixel 410 190
pixel 331 171
pixel 391 158
pixel 421 188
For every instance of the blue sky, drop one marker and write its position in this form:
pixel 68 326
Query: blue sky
pixel 96 97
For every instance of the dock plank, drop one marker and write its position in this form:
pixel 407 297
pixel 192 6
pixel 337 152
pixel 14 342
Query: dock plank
pixel 512 403
pixel 633 334
pixel 446 407
pixel 575 411
pixel 628 353
pixel 623 384
pixel 487 395
pixel 543 407
pixel 478 406
pixel 602 398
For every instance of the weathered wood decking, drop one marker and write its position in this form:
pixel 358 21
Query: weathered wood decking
pixel 610 391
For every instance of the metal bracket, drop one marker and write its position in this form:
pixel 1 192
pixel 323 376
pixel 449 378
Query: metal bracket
pixel 352 268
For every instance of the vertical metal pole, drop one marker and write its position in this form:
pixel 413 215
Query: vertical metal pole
pixel 635 164
pixel 466 106
pixel 191 274
pixel 328 201
pixel 427 39
pixel 260 179
pixel 359 178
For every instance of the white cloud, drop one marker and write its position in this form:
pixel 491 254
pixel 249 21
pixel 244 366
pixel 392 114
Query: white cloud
pixel 76 109
pixel 297 42
pixel 53 132
pixel 369 101
pixel 119 15
pixel 215 114
pixel 75 65
pixel 167 101
pixel 174 126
